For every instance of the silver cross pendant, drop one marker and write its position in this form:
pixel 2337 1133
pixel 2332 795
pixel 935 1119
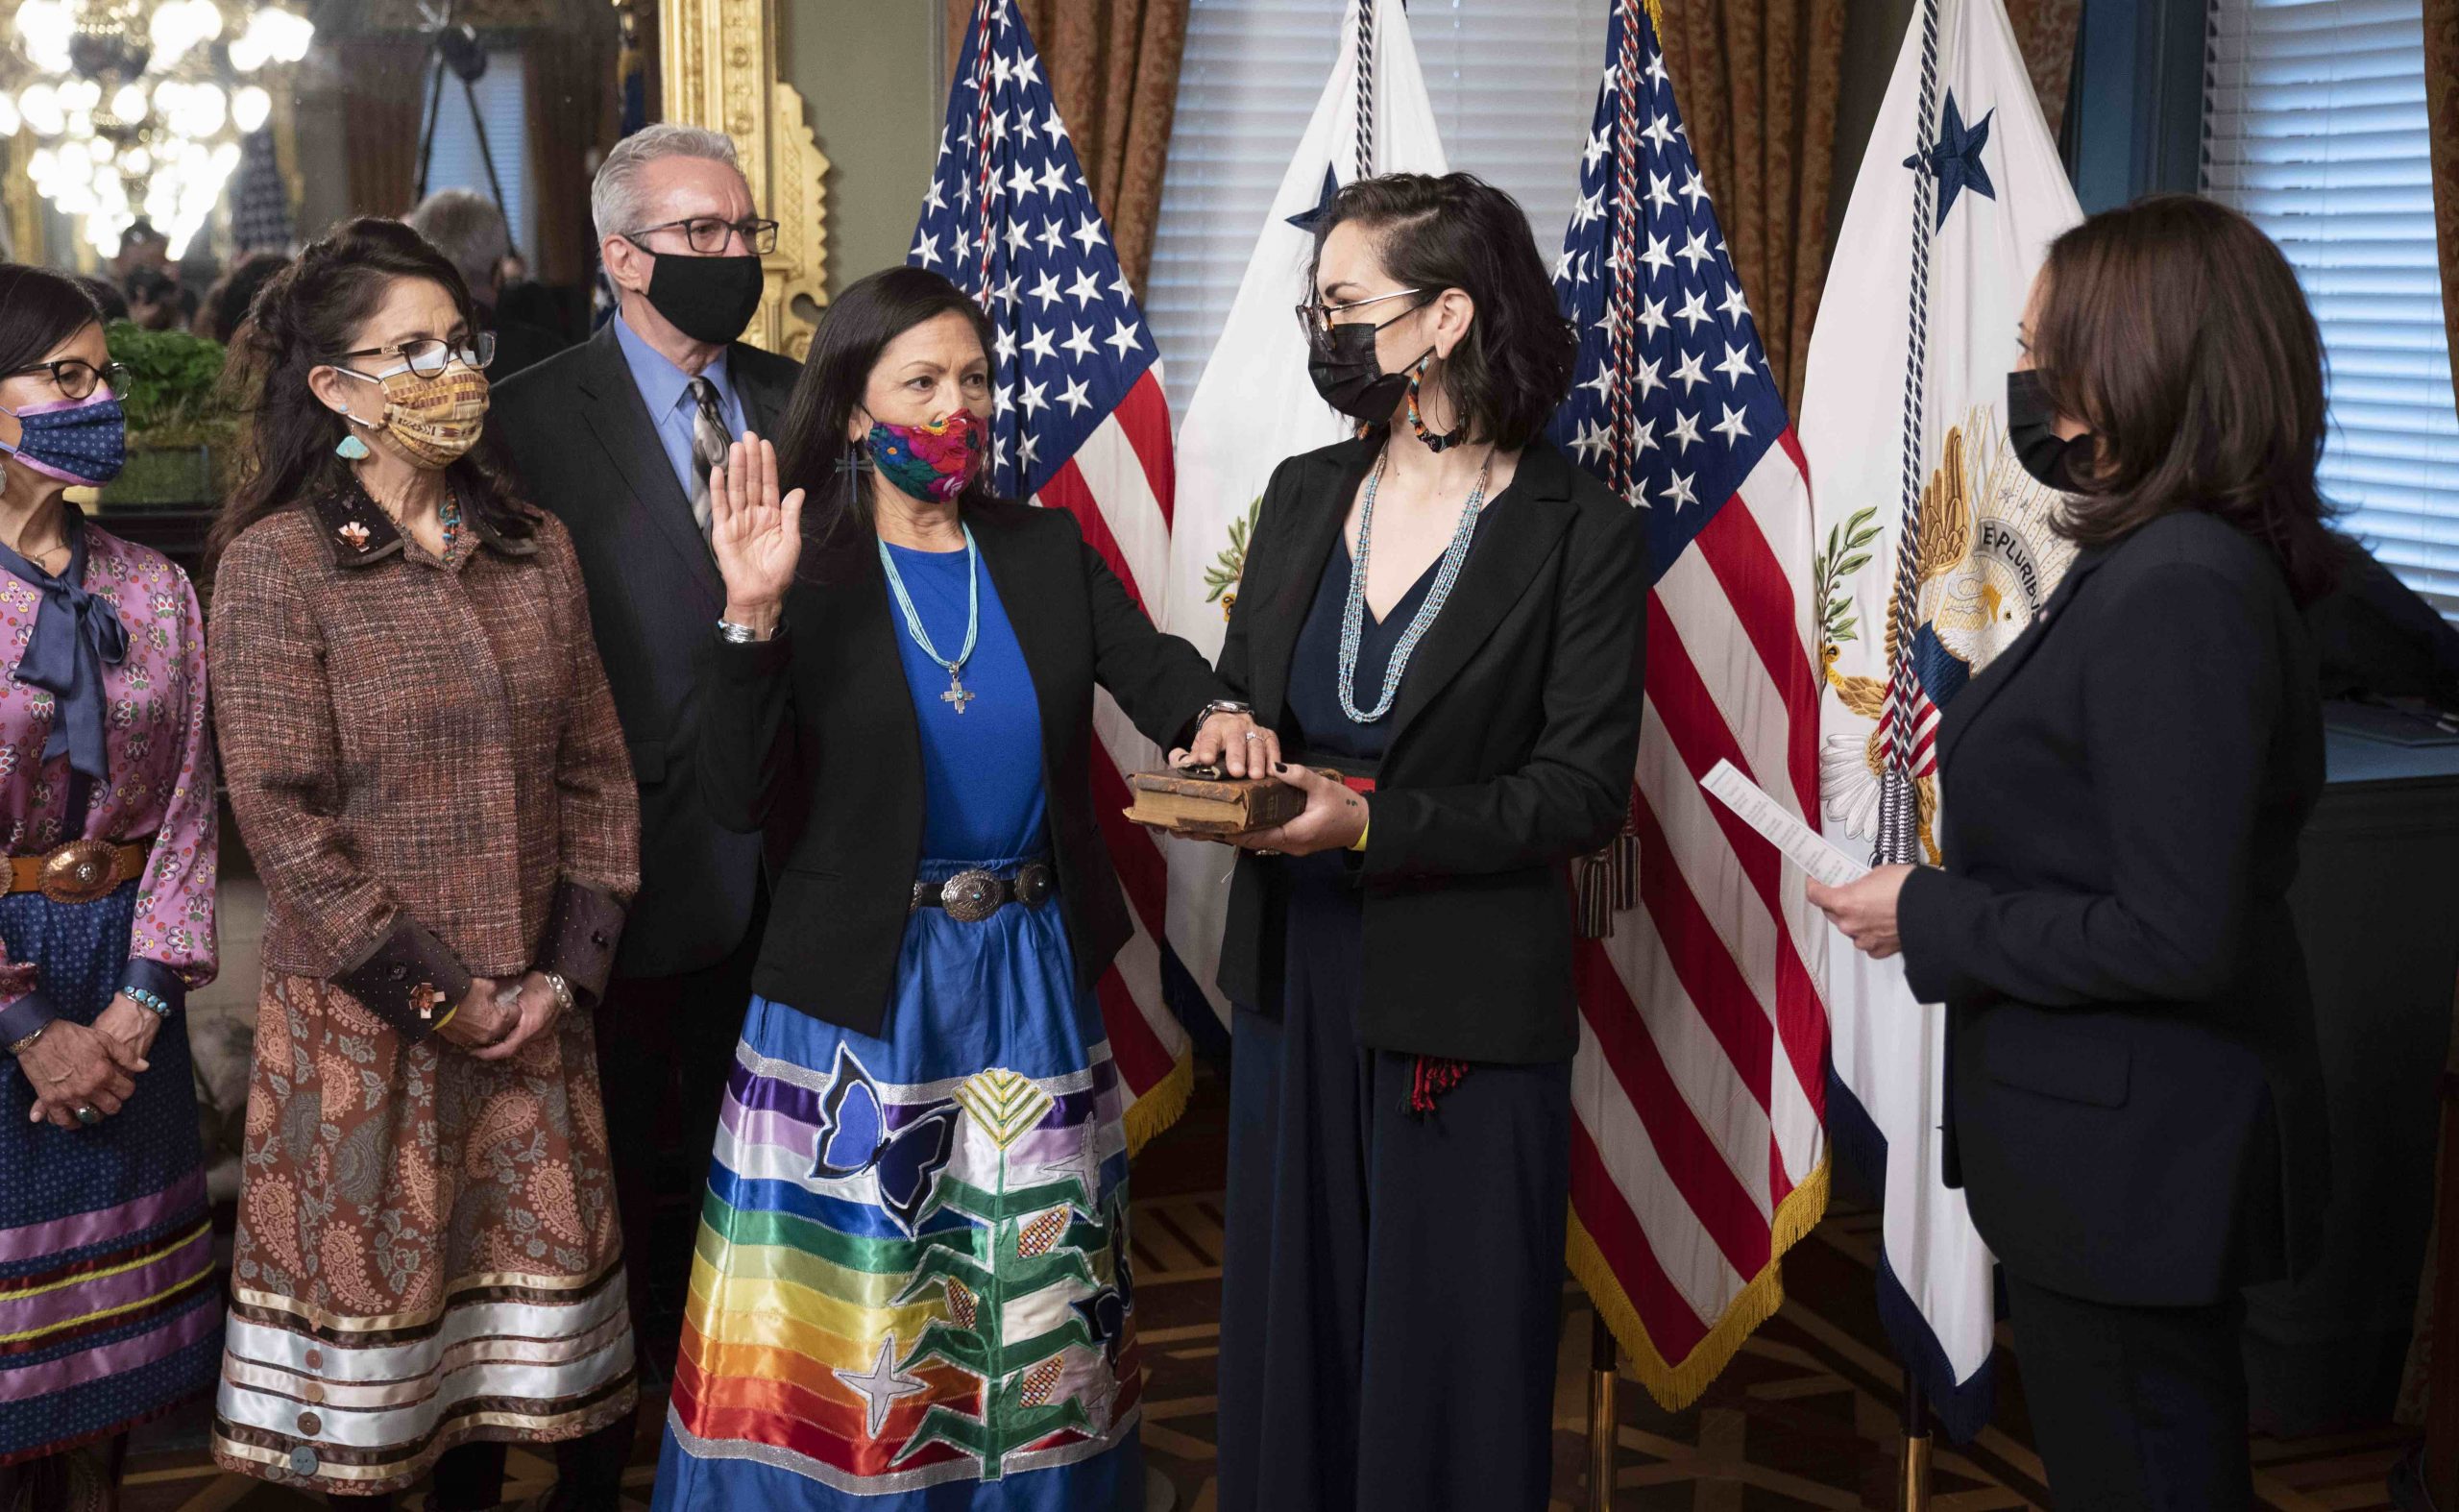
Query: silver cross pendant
pixel 955 695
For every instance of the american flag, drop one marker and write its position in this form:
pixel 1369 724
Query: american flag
pixel 1079 424
pixel 1699 1153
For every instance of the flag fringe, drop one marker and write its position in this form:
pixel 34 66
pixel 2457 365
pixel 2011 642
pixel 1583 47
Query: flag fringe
pixel 1160 1108
pixel 1676 1386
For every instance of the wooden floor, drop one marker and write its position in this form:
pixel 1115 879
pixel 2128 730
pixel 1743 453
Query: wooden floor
pixel 1806 1417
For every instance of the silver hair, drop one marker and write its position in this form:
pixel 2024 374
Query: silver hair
pixel 615 196
pixel 469 230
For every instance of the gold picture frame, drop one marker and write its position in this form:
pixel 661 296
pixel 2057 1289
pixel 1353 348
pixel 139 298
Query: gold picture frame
pixel 719 63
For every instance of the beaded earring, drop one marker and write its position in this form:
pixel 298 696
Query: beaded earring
pixel 1435 440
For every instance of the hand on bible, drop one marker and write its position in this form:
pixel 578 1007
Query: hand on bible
pixel 1333 819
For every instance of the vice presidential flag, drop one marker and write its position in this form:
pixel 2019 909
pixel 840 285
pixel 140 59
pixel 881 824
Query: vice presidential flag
pixel 1079 424
pixel 1697 1157
pixel 1934 551
pixel 1256 406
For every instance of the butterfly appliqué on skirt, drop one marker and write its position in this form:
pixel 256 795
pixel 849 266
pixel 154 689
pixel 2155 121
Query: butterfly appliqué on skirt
pixel 855 1137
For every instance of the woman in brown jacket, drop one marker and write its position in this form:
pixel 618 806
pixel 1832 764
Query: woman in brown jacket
pixel 424 763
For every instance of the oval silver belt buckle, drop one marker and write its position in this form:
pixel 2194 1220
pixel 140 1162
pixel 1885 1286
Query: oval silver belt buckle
pixel 970 896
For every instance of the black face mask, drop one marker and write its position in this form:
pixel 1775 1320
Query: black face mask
pixel 2032 430
pixel 707 299
pixel 1351 376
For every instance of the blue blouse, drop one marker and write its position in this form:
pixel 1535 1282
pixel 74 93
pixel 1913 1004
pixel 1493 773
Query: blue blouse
pixel 982 769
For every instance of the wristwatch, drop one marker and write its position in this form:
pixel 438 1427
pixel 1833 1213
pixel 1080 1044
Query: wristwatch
pixel 1223 706
pixel 734 634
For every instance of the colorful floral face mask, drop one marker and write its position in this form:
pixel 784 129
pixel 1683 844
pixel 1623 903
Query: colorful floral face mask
pixel 435 420
pixel 934 461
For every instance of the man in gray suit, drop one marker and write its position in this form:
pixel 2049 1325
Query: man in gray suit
pixel 617 437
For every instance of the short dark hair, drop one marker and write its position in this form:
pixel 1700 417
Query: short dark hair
pixel 304 318
pixel 860 322
pixel 39 311
pixel 2176 330
pixel 1514 368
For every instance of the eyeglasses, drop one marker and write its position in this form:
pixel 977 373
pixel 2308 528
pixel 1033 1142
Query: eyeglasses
pixel 710 236
pixel 76 378
pixel 428 357
pixel 1316 319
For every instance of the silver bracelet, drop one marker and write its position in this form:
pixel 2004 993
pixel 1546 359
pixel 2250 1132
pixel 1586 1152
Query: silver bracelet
pixel 18 1047
pixel 734 634
pixel 562 989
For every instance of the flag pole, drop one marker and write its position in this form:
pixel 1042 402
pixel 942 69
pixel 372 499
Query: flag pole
pixel 1916 1444
pixel 1603 1364
pixel 1898 817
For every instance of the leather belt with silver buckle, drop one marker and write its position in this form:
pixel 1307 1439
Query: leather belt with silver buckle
pixel 80 872
pixel 972 896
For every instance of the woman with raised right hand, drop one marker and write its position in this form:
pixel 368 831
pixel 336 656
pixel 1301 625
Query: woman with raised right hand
pixel 923 1133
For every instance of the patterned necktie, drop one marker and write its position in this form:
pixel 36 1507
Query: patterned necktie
pixel 708 448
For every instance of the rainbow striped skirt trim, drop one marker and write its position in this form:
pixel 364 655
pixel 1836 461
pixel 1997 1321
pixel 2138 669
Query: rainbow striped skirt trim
pixel 912 1289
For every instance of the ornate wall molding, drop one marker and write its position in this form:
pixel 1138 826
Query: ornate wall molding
pixel 720 59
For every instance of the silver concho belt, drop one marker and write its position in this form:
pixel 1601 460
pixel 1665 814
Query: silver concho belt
pixel 972 896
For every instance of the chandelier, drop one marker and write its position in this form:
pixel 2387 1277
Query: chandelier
pixel 137 106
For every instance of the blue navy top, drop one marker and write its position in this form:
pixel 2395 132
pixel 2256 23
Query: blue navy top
pixel 1325 733
pixel 981 792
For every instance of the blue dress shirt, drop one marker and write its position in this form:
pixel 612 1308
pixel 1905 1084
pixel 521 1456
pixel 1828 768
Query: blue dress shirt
pixel 667 390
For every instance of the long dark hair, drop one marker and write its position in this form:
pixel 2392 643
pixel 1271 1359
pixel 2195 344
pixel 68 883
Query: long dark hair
pixel 872 312
pixel 39 311
pixel 2176 332
pixel 303 319
pixel 1514 367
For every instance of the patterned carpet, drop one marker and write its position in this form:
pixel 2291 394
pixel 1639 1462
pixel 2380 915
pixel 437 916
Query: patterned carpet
pixel 1805 1418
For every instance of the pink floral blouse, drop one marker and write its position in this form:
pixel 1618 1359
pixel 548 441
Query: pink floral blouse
pixel 161 783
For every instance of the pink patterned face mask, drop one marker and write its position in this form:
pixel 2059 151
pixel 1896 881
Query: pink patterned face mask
pixel 933 461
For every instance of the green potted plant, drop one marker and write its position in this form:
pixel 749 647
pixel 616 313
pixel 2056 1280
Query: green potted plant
pixel 176 419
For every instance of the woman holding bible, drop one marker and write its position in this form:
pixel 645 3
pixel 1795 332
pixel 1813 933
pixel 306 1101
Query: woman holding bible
pixel 914 1261
pixel 1449 614
pixel 2134 1108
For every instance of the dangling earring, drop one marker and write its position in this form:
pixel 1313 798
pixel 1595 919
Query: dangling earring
pixel 350 449
pixel 1435 440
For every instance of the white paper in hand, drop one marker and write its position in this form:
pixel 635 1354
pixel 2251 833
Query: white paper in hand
pixel 1800 844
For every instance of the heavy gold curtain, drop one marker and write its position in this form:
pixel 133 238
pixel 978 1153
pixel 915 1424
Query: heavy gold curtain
pixel 2441 120
pixel 2045 30
pixel 386 107
pixel 1757 82
pixel 572 112
pixel 1114 69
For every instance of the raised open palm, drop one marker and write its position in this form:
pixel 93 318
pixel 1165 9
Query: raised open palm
pixel 758 537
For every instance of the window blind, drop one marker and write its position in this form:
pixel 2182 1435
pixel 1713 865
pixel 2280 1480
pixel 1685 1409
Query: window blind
pixel 1512 82
pixel 503 105
pixel 2315 126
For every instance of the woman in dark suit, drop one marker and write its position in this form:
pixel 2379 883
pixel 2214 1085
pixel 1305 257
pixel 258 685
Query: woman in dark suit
pixel 2132 1103
pixel 1449 614
pixel 915 1264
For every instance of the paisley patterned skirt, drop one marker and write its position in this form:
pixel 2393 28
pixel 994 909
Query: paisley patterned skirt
pixel 427 1250
pixel 912 1289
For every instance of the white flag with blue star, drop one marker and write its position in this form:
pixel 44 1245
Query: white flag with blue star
pixel 1957 199
pixel 1254 404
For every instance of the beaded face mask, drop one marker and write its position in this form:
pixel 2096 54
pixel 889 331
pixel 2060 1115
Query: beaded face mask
pixel 434 420
pixel 931 461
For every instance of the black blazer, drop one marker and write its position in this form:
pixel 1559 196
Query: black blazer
pixel 576 429
pixel 810 738
pixel 1513 737
pixel 2133 1103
